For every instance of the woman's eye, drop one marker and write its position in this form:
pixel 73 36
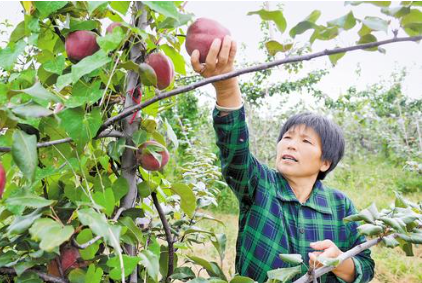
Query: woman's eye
pixel 307 141
pixel 286 137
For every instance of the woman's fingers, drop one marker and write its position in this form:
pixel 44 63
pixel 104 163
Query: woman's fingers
pixel 232 53
pixel 194 59
pixel 223 56
pixel 211 59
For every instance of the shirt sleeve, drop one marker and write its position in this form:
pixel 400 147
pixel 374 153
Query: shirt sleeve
pixel 239 168
pixel 364 264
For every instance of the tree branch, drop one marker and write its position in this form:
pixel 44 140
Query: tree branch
pixel 43 276
pixel 168 235
pixel 252 69
pixel 104 134
pixel 349 254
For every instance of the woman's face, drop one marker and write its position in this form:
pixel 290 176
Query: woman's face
pixel 299 153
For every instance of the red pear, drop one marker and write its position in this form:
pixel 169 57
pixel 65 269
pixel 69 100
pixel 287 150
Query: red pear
pixel 163 67
pixel 80 44
pixel 110 28
pixel 2 180
pixel 147 161
pixel 201 34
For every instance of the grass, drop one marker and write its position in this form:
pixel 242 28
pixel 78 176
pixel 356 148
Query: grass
pixel 364 182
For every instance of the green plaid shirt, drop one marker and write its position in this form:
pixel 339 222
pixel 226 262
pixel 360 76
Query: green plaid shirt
pixel 272 221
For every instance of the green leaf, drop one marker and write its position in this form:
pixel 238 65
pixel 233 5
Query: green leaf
pixel 370 230
pixel 406 247
pixel 335 57
pixel 325 33
pixel 346 22
pixel 24 152
pixel 274 47
pixel 9 54
pixel 63 81
pixel 120 188
pixel 106 200
pixel 28 277
pixel 130 262
pixel 166 8
pixel 395 223
pixel 38 91
pixel 77 275
pixel 376 3
pixel 328 261
pixel 276 16
pixel 84 236
pixel 19 32
pixel 100 226
pixel 80 126
pixel 241 279
pixel 390 242
pixel 7 257
pixel 27 199
pixel 22 266
pixel 415 238
pixel 185 273
pixel 56 66
pixel 151 262
pixel 32 110
pixel 94 275
pixel 396 12
pixel 132 229
pixel 211 267
pixel 284 274
pixel 148 76
pixel 89 64
pixel 115 149
pixel 188 199
pixel 172 23
pixel 47 7
pixel 50 233
pixel 84 94
pixel 368 38
pixel 291 258
pixel 93 5
pixel 22 223
pixel 219 243
pixel 375 23
pixel 120 6
pixel 139 137
pixel 170 134
pixel 76 24
pixel 414 16
pixel 301 28
pixel 400 201
pixel 177 59
pixel 112 40
pixel 413 29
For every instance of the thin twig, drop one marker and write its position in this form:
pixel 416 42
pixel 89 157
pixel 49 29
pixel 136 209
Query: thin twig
pixel 104 134
pixel 260 67
pixel 349 254
pixel 43 276
pixel 168 235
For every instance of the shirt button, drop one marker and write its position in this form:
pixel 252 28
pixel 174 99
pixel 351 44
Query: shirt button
pixel 302 230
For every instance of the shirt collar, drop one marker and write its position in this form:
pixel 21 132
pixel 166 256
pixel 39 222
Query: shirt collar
pixel 317 201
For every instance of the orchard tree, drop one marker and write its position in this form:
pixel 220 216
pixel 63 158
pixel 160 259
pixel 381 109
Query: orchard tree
pixel 86 194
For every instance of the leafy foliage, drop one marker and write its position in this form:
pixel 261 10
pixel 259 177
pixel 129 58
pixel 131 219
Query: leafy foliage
pixel 68 185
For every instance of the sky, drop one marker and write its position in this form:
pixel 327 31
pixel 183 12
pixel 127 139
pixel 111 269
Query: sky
pixel 374 67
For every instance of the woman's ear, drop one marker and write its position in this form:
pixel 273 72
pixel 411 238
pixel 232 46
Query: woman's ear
pixel 325 165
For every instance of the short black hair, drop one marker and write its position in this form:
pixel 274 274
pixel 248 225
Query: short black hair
pixel 331 135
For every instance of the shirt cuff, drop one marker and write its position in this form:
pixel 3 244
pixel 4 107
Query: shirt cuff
pixel 233 117
pixel 358 272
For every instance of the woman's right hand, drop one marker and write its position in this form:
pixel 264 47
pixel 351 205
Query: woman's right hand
pixel 218 62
